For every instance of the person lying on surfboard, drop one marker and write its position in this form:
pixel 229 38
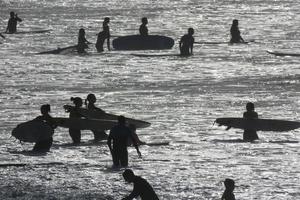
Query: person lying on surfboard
pixel 103 35
pixel 250 135
pixel 75 134
pixel 90 105
pixel 12 23
pixel 186 43
pixel 143 28
pixel 235 32
pixel 45 145
pixel 82 41
pixel 229 187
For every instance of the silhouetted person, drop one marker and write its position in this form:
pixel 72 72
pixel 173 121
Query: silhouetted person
pixel 103 35
pixel 250 134
pixel 74 113
pixel 141 188
pixel 45 145
pixel 12 23
pixel 143 28
pixel 229 187
pixel 235 32
pixel 82 41
pixel 90 104
pixel 132 127
pixel 186 43
pixel 120 135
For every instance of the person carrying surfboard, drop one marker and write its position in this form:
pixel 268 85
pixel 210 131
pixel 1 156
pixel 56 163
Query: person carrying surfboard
pixel 82 41
pixel 12 23
pixel 75 134
pixel 45 145
pixel 186 43
pixel 90 105
pixel 143 27
pixel 229 187
pixel 141 187
pixel 120 134
pixel 103 35
pixel 235 32
pixel 250 134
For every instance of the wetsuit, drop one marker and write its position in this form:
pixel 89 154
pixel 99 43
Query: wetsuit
pixel 235 35
pixel 45 145
pixel 186 43
pixel 120 135
pixel 143 189
pixel 143 30
pixel 104 34
pixel 250 134
pixel 12 24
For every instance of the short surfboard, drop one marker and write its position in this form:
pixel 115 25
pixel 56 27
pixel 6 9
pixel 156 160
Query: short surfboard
pixel 259 124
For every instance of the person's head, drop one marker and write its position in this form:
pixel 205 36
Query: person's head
pixel 81 32
pixel 144 20
pixel 235 22
pixel 45 109
pixel 128 175
pixel 229 184
pixel 191 31
pixel 91 98
pixel 121 120
pixel 77 101
pixel 106 20
pixel 250 106
pixel 12 14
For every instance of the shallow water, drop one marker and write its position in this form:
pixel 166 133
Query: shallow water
pixel 181 97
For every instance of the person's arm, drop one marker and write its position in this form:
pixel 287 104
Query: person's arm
pixel 17 18
pixel 192 45
pixel 109 142
pixel 7 28
pixel 135 193
pixel 108 39
pixel 134 142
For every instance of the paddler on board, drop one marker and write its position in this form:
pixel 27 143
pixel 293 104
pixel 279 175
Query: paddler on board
pixel 186 43
pixel 12 23
pixel 235 33
pixel 82 42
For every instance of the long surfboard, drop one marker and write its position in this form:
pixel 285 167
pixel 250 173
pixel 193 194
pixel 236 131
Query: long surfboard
pixel 259 124
pixel 95 114
pixel 60 50
pixel 85 124
pixel 30 32
pixel 279 53
pixel 32 131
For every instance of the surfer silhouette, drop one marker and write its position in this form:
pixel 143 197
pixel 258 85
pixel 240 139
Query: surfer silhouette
pixel 250 134
pixel 186 43
pixel 120 134
pixel 143 27
pixel 235 32
pixel 141 188
pixel 12 23
pixel 90 105
pixel 74 113
pixel 45 145
pixel 103 35
pixel 229 187
pixel 82 41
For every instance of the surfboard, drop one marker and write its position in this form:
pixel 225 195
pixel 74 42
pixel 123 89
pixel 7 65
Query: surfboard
pixel 278 53
pixel 222 42
pixel 32 131
pixel 30 32
pixel 85 124
pixel 157 55
pixel 259 124
pixel 96 114
pixel 60 50
pixel 138 42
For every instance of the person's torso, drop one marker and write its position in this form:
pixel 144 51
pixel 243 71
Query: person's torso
pixel 145 189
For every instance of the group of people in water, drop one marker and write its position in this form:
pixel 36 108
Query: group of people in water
pixel 186 42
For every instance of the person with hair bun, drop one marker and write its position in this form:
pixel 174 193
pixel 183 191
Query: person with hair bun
pixel 250 134
pixel 45 145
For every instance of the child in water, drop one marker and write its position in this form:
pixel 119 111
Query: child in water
pixel 90 104
pixel 229 187
pixel 82 41
pixel 186 43
pixel 74 113
pixel 250 134
pixel 45 145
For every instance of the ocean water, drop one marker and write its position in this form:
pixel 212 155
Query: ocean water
pixel 181 97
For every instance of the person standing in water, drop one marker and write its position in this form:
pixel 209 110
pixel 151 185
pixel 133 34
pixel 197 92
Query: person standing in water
pixel 74 113
pixel 250 134
pixel 141 188
pixel 229 187
pixel 90 105
pixel 103 35
pixel 186 43
pixel 120 135
pixel 143 28
pixel 12 23
pixel 235 32
pixel 82 42
pixel 45 145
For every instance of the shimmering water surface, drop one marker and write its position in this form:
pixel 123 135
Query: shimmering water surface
pixel 181 97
